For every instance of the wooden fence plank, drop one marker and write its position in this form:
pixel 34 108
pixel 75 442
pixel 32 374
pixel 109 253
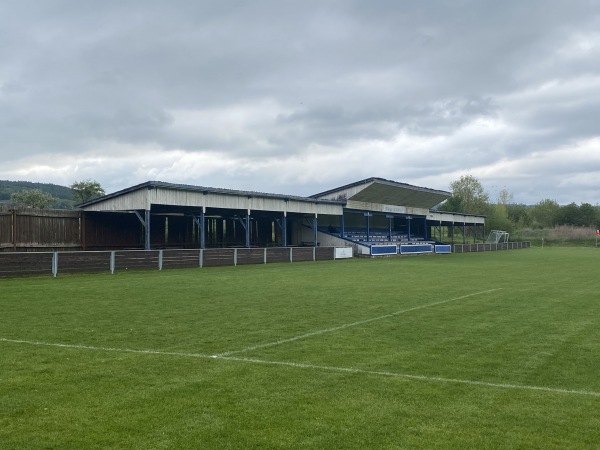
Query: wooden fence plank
pixel 41 263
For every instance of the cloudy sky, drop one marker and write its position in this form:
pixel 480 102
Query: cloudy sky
pixel 297 97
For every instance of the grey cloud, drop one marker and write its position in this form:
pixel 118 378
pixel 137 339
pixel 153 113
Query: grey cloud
pixel 340 72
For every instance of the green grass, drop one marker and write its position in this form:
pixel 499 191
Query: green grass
pixel 486 350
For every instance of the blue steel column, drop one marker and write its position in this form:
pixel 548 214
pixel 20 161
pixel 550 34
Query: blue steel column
pixel 284 231
pixel 368 216
pixel 343 226
pixel 147 237
pixel 202 230
pixel 409 218
pixel 248 229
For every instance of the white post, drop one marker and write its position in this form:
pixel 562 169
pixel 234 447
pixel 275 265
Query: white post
pixel 112 262
pixel 54 264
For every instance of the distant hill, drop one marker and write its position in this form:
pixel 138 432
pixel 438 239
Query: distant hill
pixel 63 193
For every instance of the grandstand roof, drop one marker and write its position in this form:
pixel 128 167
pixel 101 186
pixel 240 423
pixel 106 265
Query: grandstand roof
pixel 382 191
pixel 177 196
pixel 204 190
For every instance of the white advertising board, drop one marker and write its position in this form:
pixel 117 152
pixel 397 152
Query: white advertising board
pixel 343 252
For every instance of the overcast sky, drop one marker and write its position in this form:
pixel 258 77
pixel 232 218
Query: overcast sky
pixel 297 97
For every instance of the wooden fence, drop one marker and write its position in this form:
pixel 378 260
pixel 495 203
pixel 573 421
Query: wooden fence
pixel 53 263
pixel 35 229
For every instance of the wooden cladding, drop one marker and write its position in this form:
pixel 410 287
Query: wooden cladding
pixel 54 263
pixel 32 229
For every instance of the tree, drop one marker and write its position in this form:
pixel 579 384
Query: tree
pixel 497 215
pixel 32 198
pixel 468 196
pixel 86 190
pixel 587 214
pixel 546 213
pixel 504 197
pixel 569 215
pixel 519 215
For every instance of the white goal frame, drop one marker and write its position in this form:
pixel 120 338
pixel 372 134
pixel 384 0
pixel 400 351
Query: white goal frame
pixel 497 237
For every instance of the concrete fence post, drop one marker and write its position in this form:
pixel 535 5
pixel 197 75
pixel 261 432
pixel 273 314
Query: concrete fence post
pixel 54 264
pixel 112 262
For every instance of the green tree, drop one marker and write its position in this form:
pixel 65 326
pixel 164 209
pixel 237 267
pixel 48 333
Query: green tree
pixel 569 215
pixel 519 215
pixel 504 197
pixel 497 218
pixel 86 190
pixel 545 214
pixel 468 196
pixel 33 198
pixel 497 215
pixel 587 214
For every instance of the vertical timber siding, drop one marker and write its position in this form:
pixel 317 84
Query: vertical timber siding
pixel 39 229
pixel 14 264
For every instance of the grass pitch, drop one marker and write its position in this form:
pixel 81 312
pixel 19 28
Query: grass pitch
pixel 486 350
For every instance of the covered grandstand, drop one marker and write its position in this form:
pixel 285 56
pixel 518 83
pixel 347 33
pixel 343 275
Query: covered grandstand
pixel 374 216
pixel 383 216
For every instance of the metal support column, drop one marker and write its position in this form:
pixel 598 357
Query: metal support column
pixel 200 223
pixel 248 229
pixel 343 231
pixel 145 221
pixel 368 217
pixel 315 230
pixel 409 218
pixel 284 230
pixel 202 229
pixel 147 240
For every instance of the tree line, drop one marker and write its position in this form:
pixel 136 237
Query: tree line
pixel 470 197
pixel 41 198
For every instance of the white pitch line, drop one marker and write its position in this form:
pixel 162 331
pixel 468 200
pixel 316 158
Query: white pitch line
pixel 423 378
pixel 348 325
pixel 105 349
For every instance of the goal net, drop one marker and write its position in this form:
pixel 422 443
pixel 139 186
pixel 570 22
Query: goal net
pixel 497 237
